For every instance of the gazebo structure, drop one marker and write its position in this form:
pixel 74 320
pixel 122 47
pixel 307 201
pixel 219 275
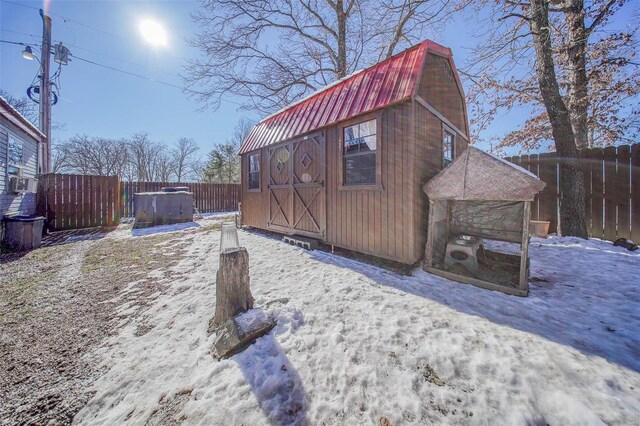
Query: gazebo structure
pixel 477 197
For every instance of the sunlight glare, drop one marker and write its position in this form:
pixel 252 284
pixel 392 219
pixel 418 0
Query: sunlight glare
pixel 153 32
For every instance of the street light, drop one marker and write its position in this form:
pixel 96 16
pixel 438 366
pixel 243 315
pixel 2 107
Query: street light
pixel 27 53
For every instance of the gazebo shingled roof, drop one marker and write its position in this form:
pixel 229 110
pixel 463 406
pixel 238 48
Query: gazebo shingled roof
pixel 477 175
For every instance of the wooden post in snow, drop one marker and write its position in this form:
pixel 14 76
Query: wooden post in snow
pixel 233 294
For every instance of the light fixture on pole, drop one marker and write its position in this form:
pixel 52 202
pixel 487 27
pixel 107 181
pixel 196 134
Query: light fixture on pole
pixel 27 54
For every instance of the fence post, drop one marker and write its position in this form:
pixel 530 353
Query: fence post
pixel 635 192
pixel 610 188
pixel 117 200
pixel 623 191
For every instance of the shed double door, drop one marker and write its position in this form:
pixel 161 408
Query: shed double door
pixel 296 185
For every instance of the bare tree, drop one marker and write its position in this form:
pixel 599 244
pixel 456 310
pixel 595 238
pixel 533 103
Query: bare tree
pixel 147 164
pixel 90 155
pixel 24 106
pixel 572 209
pixel 197 169
pixel 596 68
pixel 545 55
pixel 183 156
pixel 59 159
pixel 318 42
pixel 240 132
pixel 164 166
pixel 137 158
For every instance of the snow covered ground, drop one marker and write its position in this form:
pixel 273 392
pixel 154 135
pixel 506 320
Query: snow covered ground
pixel 355 343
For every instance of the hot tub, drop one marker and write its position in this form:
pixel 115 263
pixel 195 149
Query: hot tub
pixel 162 207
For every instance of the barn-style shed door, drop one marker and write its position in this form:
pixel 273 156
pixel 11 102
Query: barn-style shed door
pixel 297 190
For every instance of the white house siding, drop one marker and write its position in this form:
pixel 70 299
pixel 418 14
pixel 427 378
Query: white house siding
pixel 17 203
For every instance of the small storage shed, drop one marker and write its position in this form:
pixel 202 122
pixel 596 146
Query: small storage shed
pixel 346 165
pixel 479 196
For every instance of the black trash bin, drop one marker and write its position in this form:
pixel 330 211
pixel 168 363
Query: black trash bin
pixel 23 232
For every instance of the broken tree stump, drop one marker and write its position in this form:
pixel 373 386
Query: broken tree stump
pixel 239 332
pixel 233 295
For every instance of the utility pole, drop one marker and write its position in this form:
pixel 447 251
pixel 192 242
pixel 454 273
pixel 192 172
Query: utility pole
pixel 45 93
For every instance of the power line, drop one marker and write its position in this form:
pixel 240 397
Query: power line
pixel 13 42
pixel 19 32
pixel 66 20
pixel 121 59
pixel 148 78
pixel 127 72
pixel 91 51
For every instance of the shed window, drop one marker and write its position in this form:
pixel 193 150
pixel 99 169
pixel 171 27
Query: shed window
pixel 447 147
pixel 360 153
pixel 14 156
pixel 254 171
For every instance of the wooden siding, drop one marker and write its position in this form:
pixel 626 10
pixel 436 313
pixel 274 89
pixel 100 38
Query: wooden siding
pixel 389 221
pixel 255 204
pixel 428 164
pixel 17 203
pixel 429 161
pixel 438 87
pixel 378 222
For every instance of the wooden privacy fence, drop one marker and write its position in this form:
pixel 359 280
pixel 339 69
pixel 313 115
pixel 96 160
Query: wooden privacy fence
pixel 209 197
pixel 78 201
pixel 69 201
pixel 612 190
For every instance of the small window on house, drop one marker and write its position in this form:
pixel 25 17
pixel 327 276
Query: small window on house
pixel 447 147
pixel 254 171
pixel 360 153
pixel 14 156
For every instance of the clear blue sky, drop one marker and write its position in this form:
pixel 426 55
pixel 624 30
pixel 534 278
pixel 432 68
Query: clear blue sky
pixel 103 102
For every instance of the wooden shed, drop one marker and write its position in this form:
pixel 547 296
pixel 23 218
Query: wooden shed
pixel 346 165
pixel 480 197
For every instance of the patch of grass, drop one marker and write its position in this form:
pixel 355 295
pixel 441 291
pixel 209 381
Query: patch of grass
pixel 108 254
pixel 16 296
pixel 20 288
pixel 211 227
pixel 129 255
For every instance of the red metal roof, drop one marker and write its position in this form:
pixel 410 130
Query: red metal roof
pixel 387 82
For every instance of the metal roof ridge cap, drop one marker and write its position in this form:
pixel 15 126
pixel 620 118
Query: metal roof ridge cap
pixel 425 42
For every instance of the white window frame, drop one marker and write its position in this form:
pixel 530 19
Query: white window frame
pixel 446 129
pixel 249 188
pixel 377 185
